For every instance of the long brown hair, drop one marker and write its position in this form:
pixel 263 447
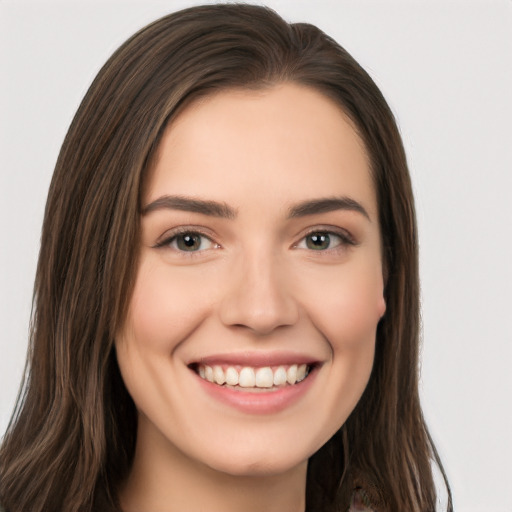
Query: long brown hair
pixel 71 439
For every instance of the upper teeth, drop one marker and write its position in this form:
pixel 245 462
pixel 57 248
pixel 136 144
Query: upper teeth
pixel 249 377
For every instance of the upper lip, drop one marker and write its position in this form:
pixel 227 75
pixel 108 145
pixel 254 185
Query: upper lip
pixel 257 359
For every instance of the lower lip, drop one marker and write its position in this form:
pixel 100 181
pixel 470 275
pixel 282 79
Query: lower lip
pixel 260 402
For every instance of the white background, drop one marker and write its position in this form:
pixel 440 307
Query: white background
pixel 446 70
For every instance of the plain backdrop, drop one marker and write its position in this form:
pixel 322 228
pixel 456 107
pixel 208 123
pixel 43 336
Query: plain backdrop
pixel 446 70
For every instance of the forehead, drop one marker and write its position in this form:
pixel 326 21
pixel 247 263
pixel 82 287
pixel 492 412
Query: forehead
pixel 289 140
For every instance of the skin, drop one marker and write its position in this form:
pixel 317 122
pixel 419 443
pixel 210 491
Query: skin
pixel 253 286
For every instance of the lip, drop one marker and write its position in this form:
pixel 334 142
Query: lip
pixel 262 401
pixel 257 359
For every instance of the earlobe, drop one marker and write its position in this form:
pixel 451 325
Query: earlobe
pixel 382 307
pixel 382 299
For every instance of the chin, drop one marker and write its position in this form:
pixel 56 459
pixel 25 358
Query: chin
pixel 253 458
pixel 259 467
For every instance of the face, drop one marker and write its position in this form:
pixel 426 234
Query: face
pixel 250 334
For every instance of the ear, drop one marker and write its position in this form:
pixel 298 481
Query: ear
pixel 382 299
pixel 385 275
pixel 381 306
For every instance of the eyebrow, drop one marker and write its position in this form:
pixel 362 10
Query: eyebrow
pixel 189 204
pixel 222 210
pixel 329 204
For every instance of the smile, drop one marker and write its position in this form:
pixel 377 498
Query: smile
pixel 248 377
pixel 256 383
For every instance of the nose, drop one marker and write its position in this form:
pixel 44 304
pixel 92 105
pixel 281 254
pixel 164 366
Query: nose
pixel 259 296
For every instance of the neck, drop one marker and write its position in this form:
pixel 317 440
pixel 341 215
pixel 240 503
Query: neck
pixel 163 479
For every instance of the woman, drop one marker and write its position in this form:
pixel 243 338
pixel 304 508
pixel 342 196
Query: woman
pixel 226 301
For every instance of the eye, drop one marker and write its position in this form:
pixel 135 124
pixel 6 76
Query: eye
pixel 188 241
pixel 323 240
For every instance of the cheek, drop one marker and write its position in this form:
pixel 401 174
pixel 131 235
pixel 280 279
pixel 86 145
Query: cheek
pixel 165 308
pixel 352 308
pixel 348 308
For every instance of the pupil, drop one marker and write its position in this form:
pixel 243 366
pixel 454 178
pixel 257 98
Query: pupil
pixel 188 242
pixel 318 241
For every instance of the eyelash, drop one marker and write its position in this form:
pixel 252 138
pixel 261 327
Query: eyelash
pixel 345 239
pixel 184 231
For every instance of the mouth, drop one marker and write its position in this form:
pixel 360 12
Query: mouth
pixel 256 383
pixel 251 378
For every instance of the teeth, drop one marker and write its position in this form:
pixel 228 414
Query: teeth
pixel 280 376
pixel 291 374
pixel 218 375
pixel 247 378
pixel 254 377
pixel 302 372
pixel 231 376
pixel 264 378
